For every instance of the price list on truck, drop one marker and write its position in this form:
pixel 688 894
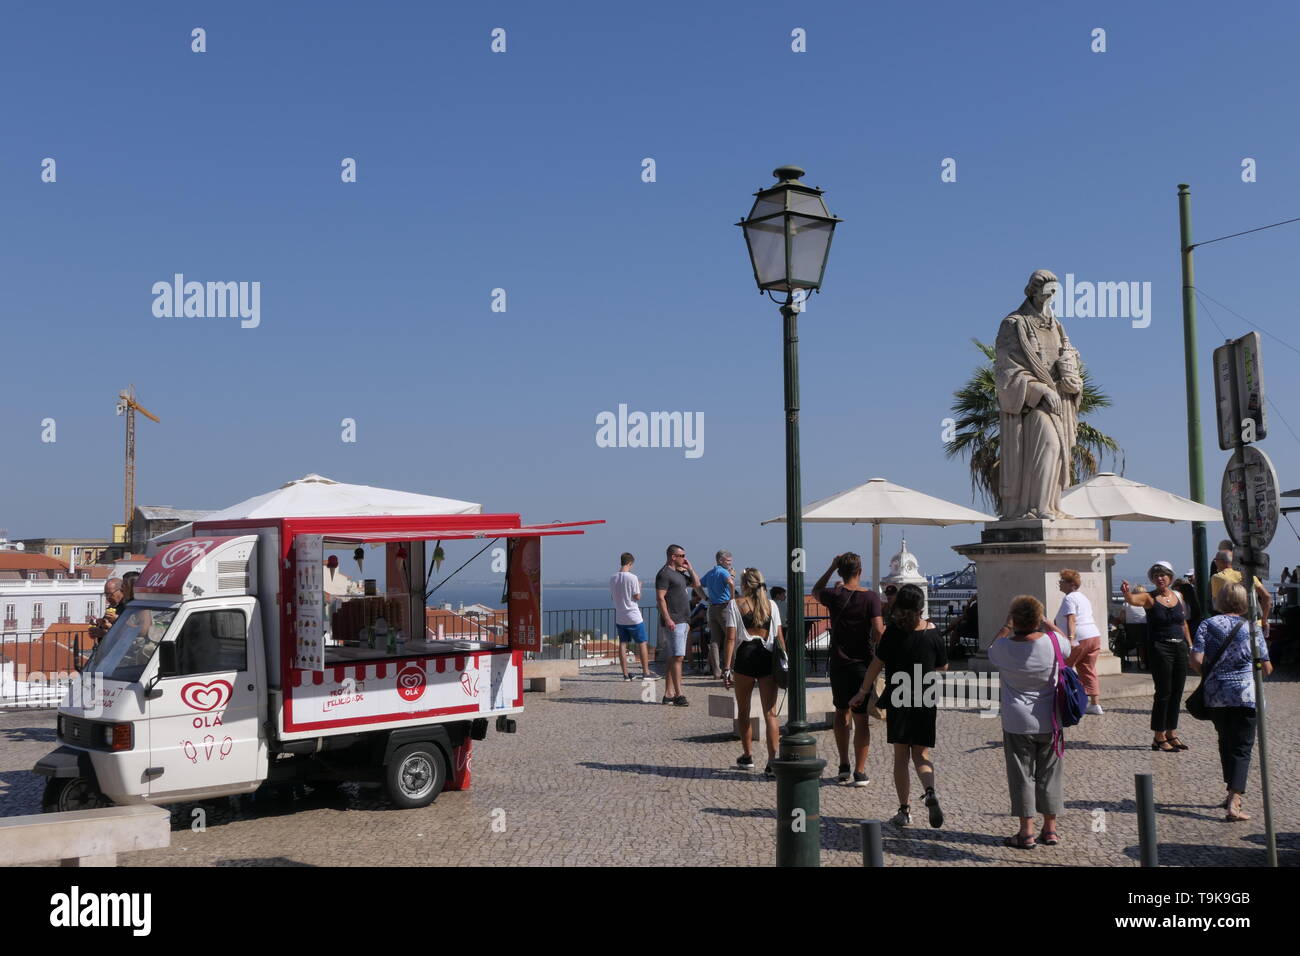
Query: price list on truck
pixel 309 602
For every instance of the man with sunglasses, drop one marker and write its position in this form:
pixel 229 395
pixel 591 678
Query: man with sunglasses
pixel 114 597
pixel 672 593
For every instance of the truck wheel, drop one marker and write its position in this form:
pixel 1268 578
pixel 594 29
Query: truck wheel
pixel 63 794
pixel 415 775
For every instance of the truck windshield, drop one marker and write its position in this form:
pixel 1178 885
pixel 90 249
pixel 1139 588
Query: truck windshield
pixel 125 650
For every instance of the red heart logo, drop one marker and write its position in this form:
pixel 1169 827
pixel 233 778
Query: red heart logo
pixel 210 696
pixel 410 682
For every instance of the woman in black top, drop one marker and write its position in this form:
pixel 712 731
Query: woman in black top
pixel 912 654
pixel 856 624
pixel 1169 642
pixel 753 632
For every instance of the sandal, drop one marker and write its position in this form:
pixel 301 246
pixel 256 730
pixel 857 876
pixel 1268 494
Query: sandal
pixel 1178 744
pixel 1235 813
pixel 1163 745
pixel 1018 842
pixel 1049 838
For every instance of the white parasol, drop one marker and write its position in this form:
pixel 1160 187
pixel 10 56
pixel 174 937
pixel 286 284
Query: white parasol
pixel 1111 497
pixel 880 502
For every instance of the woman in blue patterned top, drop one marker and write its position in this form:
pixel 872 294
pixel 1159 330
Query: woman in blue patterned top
pixel 1223 646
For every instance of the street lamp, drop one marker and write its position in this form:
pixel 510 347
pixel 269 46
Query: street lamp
pixel 789 237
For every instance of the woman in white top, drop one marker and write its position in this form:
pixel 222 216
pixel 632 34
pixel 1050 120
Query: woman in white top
pixel 753 628
pixel 1075 621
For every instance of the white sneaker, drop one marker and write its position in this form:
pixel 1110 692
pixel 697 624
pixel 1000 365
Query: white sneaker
pixel 1095 709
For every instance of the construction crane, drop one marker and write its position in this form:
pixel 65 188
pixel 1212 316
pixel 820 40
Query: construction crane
pixel 128 406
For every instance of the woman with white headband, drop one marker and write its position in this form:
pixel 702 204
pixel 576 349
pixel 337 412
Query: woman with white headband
pixel 1169 641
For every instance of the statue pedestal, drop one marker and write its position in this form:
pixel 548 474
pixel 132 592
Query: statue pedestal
pixel 1026 556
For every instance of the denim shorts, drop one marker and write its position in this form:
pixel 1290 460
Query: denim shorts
pixel 632 632
pixel 674 639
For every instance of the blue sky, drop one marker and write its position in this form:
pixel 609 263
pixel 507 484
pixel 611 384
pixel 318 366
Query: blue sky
pixel 522 171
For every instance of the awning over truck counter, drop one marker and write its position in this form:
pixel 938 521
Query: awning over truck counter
pixel 448 534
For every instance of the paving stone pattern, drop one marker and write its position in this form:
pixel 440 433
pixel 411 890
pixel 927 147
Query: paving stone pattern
pixel 596 776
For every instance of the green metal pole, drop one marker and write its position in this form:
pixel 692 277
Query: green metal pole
pixel 1195 462
pixel 798 770
pixel 1247 550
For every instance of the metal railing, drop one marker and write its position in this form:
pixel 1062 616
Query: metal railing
pixel 587 632
pixel 36 667
pixel 591 632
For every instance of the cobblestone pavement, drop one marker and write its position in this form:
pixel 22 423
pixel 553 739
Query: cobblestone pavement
pixel 597 777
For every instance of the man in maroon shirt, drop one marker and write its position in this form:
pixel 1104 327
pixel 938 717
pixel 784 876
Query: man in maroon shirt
pixel 857 624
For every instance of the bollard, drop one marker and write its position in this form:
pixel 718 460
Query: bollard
pixel 872 851
pixel 1146 808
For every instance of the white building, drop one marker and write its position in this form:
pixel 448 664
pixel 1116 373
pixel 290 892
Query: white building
pixel 37 591
pixel 904 569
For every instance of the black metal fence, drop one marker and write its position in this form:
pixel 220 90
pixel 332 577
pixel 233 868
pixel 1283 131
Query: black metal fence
pixel 37 666
pixel 591 633
pixel 587 633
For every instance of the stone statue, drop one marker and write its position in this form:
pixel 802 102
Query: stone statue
pixel 1038 385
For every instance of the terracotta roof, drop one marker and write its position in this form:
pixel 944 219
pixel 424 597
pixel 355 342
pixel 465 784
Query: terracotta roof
pixel 454 624
pixel 28 561
pixel 813 608
pixel 52 653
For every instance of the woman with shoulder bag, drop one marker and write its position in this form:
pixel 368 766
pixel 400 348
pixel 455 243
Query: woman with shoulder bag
pixel 1027 666
pixel 1228 688
pixel 753 617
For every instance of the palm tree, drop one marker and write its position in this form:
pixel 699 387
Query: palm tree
pixel 977 436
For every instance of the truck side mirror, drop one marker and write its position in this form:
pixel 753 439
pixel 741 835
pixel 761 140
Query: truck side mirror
pixel 166 668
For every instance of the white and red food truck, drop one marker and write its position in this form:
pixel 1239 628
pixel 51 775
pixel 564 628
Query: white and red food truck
pixel 228 670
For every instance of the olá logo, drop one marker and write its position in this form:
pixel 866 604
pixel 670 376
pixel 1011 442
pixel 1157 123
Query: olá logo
pixel 185 551
pixel 410 682
pixel 207 697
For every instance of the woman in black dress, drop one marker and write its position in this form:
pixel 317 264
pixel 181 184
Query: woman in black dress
pixel 911 650
pixel 1168 641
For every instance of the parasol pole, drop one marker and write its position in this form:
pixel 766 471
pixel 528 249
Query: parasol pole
pixel 875 556
pixel 1110 567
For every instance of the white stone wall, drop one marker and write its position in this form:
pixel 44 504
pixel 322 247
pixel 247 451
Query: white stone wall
pixel 25 595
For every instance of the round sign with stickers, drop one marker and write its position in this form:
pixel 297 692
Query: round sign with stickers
pixel 1250 499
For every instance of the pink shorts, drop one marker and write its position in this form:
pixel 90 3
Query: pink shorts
pixel 1084 660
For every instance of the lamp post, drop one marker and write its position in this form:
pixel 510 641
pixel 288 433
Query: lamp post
pixel 788 233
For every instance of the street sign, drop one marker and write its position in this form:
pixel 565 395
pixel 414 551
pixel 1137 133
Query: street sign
pixel 1238 362
pixel 1249 498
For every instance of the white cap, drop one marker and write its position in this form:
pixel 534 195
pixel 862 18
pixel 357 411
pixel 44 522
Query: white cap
pixel 1167 566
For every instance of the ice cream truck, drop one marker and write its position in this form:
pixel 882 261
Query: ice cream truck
pixel 234 667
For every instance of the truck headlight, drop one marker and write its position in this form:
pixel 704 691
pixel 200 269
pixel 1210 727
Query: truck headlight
pixel 118 736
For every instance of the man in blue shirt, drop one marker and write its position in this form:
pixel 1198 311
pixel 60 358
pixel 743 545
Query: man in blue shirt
pixel 719 589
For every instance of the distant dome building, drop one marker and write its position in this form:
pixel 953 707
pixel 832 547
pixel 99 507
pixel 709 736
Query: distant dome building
pixel 905 569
